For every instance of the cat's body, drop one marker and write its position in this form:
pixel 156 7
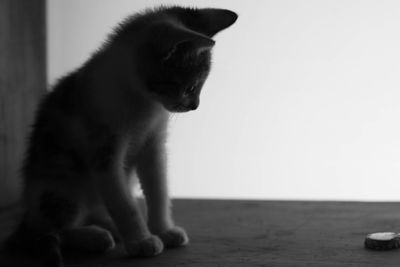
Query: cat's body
pixel 106 122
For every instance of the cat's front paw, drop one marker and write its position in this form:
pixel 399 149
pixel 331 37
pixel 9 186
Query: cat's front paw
pixel 147 247
pixel 174 237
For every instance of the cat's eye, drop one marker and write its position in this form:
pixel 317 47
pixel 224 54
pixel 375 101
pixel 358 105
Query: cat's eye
pixel 190 90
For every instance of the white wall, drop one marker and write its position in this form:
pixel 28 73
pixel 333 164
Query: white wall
pixel 303 101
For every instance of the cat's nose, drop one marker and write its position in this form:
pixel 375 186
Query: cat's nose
pixel 194 105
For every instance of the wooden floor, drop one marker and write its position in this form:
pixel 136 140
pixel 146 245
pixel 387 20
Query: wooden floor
pixel 262 233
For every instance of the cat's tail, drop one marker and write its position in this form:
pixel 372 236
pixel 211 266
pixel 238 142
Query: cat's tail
pixel 46 247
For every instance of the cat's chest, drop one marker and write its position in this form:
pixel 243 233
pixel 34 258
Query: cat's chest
pixel 141 131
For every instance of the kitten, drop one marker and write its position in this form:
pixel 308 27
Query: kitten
pixel 106 122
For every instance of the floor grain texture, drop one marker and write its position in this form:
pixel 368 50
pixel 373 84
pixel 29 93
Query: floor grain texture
pixel 259 233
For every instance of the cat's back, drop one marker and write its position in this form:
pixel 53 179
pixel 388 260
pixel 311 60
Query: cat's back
pixel 58 132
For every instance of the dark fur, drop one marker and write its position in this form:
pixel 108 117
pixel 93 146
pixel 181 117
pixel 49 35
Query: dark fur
pixel 80 123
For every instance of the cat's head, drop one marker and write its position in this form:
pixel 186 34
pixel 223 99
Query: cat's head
pixel 175 57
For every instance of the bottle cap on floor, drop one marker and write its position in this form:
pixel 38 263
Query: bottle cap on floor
pixel 382 241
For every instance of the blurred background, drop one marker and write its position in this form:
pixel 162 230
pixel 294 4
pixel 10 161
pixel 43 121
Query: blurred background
pixel 303 101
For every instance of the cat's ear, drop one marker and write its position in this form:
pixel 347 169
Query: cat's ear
pixel 175 36
pixel 215 20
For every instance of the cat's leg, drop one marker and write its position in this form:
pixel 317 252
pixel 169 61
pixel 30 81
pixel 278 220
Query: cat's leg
pixel 151 169
pixel 124 210
pixel 99 216
pixel 49 208
pixel 91 238
pixel 113 187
